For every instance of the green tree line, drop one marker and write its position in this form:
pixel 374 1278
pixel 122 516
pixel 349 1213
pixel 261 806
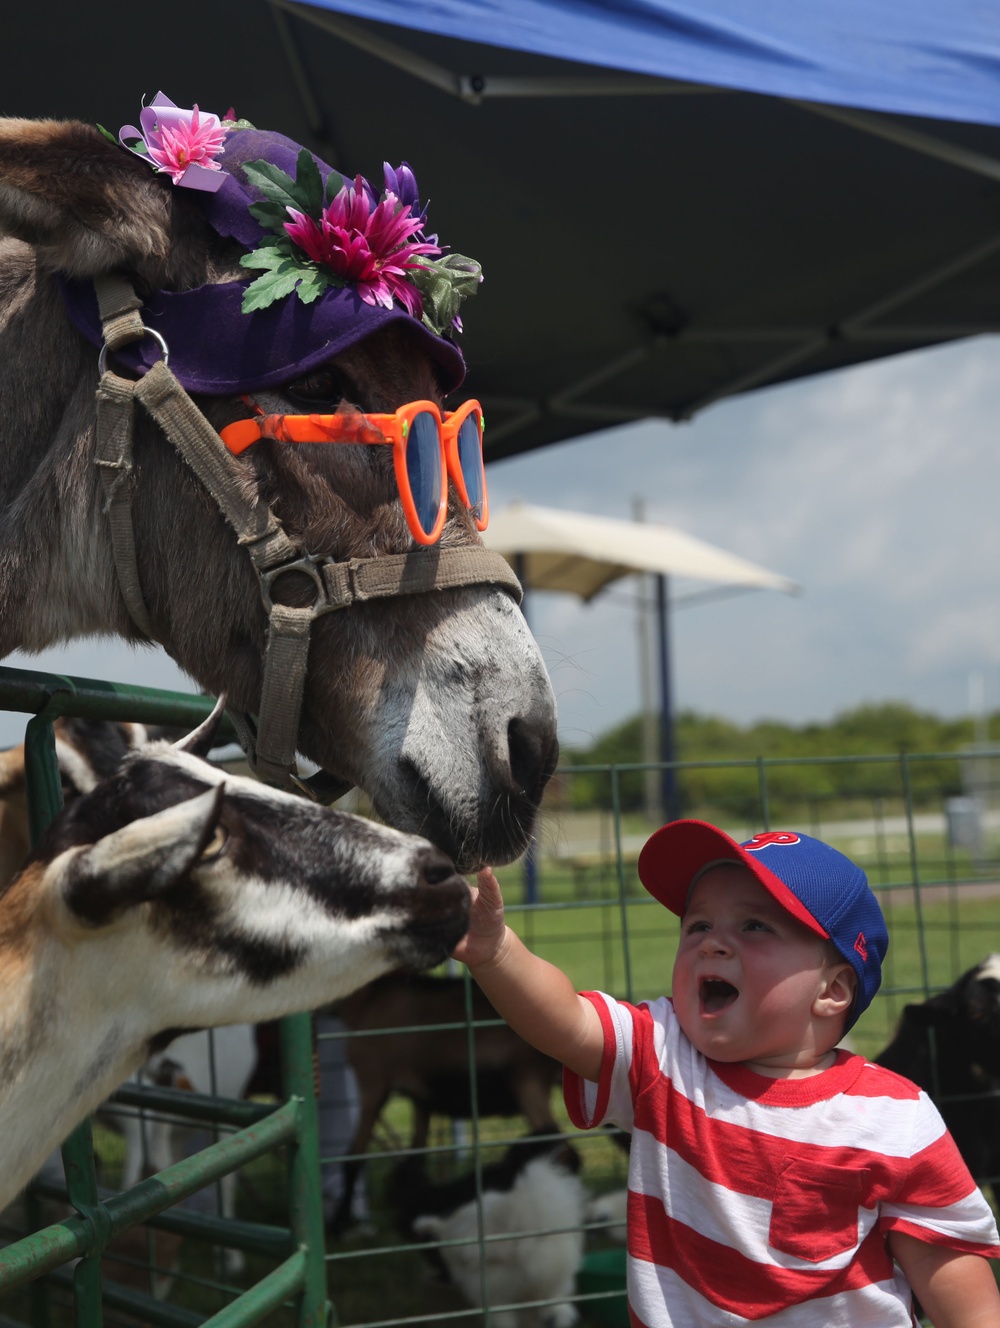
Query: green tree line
pixel 886 729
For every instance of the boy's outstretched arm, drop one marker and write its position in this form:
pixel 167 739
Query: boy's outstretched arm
pixel 955 1290
pixel 533 996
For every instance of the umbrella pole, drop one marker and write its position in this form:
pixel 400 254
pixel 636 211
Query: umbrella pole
pixel 668 776
pixel 530 859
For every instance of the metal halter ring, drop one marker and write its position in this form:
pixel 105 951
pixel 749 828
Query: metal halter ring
pixel 102 359
pixel 307 565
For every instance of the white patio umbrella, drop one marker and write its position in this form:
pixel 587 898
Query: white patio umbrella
pixel 575 552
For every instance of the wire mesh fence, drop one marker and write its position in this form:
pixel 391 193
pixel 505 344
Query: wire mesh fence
pixel 428 1217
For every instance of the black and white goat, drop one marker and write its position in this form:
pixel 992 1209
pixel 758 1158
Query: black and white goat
pixel 174 896
pixel 532 1205
pixel 950 1046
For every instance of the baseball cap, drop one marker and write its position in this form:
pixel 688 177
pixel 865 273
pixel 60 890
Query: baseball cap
pixel 815 883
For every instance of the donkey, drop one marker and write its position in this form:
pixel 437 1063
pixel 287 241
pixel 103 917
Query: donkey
pixel 203 899
pixel 435 703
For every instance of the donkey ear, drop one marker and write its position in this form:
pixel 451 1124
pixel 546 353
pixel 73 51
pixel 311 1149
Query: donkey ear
pixel 85 204
pixel 138 862
pixel 202 739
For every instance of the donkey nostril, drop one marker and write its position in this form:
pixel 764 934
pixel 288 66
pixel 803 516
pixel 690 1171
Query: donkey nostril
pixel 533 755
pixel 435 866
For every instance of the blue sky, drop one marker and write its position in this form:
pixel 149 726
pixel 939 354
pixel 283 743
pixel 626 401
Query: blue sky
pixel 874 487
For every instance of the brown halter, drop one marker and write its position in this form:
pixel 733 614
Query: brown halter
pixel 269 739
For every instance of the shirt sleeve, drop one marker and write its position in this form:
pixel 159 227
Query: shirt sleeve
pixel 937 1201
pixel 609 1100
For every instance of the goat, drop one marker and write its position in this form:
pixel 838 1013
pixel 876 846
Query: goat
pixel 950 1047
pixel 219 1061
pixel 86 751
pixel 172 897
pixel 532 1204
pixel 429 1064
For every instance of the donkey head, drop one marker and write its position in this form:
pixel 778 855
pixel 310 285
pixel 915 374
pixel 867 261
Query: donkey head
pixel 436 704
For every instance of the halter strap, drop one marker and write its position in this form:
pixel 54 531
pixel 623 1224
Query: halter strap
pixel 270 740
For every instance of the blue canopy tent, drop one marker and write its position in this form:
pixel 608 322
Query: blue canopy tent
pixel 673 202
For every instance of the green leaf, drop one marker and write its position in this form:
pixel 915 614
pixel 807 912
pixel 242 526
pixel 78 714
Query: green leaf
pixel 273 183
pixel 272 216
pixel 443 284
pixel 269 257
pixel 108 134
pixel 334 183
pixel 271 286
pixel 314 282
pixel 308 184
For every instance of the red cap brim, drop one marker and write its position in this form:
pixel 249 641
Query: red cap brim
pixel 672 857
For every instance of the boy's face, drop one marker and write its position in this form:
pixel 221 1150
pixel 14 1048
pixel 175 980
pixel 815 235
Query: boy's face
pixel 746 974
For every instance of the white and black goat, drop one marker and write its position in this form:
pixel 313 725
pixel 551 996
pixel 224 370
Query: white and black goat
pixel 532 1205
pixel 950 1046
pixel 174 897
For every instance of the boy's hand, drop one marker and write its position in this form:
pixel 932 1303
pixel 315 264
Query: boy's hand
pixel 487 930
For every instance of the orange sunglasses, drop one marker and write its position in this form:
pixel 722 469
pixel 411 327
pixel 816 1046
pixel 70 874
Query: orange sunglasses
pixel 428 447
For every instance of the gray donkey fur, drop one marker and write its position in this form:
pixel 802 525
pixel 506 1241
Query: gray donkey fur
pixel 437 704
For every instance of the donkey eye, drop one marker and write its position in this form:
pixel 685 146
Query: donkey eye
pixel 216 844
pixel 325 386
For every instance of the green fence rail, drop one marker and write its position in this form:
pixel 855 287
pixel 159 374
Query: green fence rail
pixel 300 1277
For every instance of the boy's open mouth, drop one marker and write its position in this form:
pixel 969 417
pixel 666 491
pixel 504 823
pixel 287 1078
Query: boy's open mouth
pixel 716 994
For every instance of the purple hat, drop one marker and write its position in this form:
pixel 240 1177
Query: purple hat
pixel 820 887
pixel 218 349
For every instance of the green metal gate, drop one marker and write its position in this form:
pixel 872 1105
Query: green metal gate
pixel 299 1277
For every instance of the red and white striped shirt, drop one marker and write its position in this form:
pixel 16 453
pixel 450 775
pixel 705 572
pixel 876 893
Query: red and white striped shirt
pixel 755 1199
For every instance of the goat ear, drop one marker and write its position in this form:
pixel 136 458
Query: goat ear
pixel 933 1012
pixel 200 741
pixel 85 204
pixel 140 861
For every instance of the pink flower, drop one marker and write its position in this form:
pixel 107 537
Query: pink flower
pixel 178 142
pixel 367 244
pixel 186 143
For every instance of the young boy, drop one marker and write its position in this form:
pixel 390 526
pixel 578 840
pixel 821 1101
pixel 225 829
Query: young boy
pixel 772 1177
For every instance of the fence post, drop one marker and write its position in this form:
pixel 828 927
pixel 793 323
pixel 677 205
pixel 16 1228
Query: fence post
pixel 44 796
pixel 305 1197
pixel 616 803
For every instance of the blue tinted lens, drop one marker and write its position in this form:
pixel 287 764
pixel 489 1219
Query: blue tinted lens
pixel 423 466
pixel 470 458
